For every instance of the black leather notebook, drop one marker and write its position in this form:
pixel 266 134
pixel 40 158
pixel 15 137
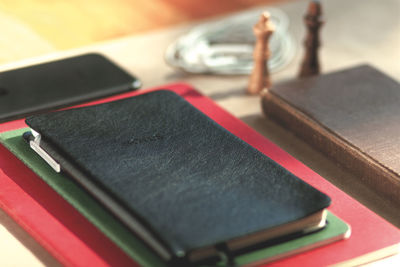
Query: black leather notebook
pixel 60 83
pixel 181 182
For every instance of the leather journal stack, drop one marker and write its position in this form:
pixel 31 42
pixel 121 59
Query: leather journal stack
pixel 352 116
pixel 189 189
pixel 155 181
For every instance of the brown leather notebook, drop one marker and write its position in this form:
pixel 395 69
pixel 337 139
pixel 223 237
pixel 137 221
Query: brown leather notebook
pixel 352 116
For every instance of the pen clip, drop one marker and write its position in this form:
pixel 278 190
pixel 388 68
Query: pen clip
pixel 34 144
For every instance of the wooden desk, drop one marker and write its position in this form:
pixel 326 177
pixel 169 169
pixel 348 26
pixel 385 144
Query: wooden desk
pixel 356 32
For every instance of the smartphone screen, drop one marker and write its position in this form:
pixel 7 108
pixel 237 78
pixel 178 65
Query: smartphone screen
pixel 61 83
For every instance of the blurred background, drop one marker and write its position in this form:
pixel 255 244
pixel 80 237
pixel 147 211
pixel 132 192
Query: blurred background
pixel 33 27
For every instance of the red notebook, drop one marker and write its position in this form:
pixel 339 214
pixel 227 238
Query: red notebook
pixel 74 241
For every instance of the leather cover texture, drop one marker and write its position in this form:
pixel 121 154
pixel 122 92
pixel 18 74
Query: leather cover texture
pixel 191 182
pixel 74 241
pixel 350 115
pixel 29 90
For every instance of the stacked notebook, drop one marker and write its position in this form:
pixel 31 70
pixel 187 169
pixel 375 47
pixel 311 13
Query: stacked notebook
pixel 350 116
pixel 168 185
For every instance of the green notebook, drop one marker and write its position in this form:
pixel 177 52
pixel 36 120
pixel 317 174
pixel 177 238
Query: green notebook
pixel 335 230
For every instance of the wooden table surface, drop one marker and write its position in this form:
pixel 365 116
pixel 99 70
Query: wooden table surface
pixel 359 31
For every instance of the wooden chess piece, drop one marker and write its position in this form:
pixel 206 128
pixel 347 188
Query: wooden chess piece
pixel 260 78
pixel 310 65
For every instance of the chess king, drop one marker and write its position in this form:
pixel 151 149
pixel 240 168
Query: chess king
pixel 260 78
pixel 310 65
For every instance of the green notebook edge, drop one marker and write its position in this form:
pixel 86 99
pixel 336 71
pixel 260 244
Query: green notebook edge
pixel 335 230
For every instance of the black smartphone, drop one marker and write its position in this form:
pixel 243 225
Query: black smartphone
pixel 51 85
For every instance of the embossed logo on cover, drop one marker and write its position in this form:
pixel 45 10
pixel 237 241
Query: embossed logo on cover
pixel 3 92
pixel 146 139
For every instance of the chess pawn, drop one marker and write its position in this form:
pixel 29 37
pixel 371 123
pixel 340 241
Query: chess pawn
pixel 310 65
pixel 260 78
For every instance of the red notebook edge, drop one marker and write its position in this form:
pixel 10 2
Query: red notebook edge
pixel 72 240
